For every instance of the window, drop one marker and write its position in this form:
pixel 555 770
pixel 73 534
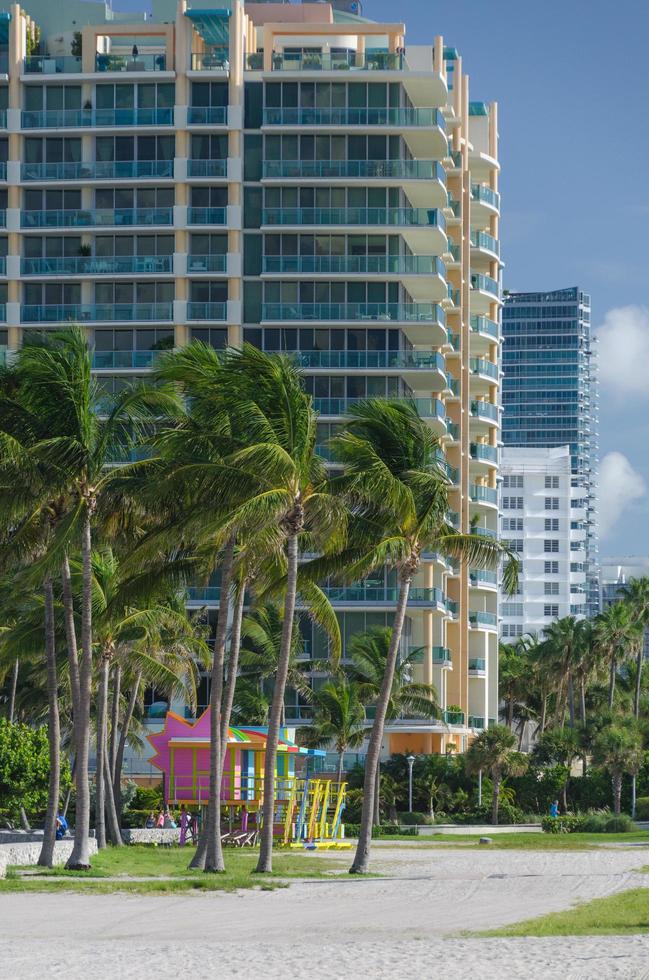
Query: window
pixel 551 546
pixel 551 568
pixel 512 629
pixel 512 523
pixel 511 609
pixel 552 503
pixel 512 503
pixel 514 544
pixel 552 611
pixel 551 588
pixel 552 483
pixel 513 481
pixel 551 523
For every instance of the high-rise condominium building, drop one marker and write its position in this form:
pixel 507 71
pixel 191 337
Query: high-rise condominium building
pixel 550 395
pixel 299 177
pixel 540 524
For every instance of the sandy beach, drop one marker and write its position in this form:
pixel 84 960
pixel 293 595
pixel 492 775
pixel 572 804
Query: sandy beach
pixel 398 927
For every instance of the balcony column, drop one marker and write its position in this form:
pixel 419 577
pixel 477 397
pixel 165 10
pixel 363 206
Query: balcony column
pixel 184 34
pixel 360 50
pixel 16 54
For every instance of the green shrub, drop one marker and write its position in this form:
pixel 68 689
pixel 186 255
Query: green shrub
pixel 385 830
pixel 135 819
pixel 595 823
pixel 570 824
pixel 147 798
pixel 642 808
pixel 416 817
pixel 622 824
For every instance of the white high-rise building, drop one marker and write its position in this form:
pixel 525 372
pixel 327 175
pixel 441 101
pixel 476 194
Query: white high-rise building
pixel 542 521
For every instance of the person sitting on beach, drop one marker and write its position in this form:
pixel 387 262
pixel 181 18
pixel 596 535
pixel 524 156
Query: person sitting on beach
pixel 168 823
pixel 160 822
pixel 554 808
pixel 150 821
pixel 61 826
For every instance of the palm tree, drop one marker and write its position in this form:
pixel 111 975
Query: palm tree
pixel 338 719
pixel 493 751
pixel 559 746
pixel 513 672
pixel 636 595
pixel 567 640
pixel 57 420
pixel 398 495
pixel 617 636
pixel 618 748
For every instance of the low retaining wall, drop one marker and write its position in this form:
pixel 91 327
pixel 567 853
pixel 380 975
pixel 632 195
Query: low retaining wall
pixel 26 852
pixel 156 835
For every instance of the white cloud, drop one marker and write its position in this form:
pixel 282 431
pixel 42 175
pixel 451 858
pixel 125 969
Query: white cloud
pixel 619 486
pixel 624 350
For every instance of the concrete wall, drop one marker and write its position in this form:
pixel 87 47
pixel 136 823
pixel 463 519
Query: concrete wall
pixel 26 851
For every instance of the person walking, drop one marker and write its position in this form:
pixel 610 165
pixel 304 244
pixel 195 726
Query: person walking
pixel 185 820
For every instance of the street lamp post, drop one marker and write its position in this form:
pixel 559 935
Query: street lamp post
pixel 411 761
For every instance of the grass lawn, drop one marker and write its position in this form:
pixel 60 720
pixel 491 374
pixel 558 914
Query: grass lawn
pixel 526 842
pixel 165 870
pixel 616 915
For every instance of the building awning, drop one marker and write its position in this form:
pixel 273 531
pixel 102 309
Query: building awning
pixel 213 25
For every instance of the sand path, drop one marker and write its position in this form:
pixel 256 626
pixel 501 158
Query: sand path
pixel 348 928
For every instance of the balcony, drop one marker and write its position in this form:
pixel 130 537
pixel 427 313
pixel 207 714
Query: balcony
pixel 483 577
pixel 93 265
pixel 131 62
pixel 46 64
pixel 484 329
pixel 453 717
pixel 98 170
pixel 354 169
pixel 423 322
pixel 477 666
pixel 74 118
pixel 442 656
pixel 485 242
pixel 126 360
pixel 207 263
pixel 484 290
pixel 477 721
pixel 207 168
pixel 104 217
pixel 398 217
pixel 206 216
pixel 485 411
pixel 207 115
pixel 342 61
pixel 395 118
pixel 486 532
pixel 482 620
pixel 109 312
pixel 368 360
pixel 485 195
pixel 397 265
pixel 207 311
pixel 386 595
pixel 478 365
pixel 210 61
pixel 483 453
pixel 428 408
pixel 483 495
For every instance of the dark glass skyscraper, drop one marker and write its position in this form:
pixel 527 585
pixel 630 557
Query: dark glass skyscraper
pixel 550 395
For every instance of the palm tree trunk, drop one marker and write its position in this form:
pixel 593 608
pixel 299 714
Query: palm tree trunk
pixel 362 857
pixel 510 713
pixel 79 859
pixel 638 681
pixel 233 667
pixel 46 857
pixel 544 710
pixel 582 696
pixel 100 784
pixel 68 795
pixel 495 799
pixel 564 794
pixel 121 745
pixel 376 817
pixel 114 719
pixel 341 760
pixel 617 793
pixel 112 820
pixel 12 691
pixel 210 856
pixel 265 863
pixel 611 682
pixel 571 700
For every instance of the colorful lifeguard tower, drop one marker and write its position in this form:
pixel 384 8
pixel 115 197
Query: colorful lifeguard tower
pixel 308 806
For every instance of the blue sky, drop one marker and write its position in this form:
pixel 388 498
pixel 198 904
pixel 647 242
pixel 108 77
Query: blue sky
pixel 572 81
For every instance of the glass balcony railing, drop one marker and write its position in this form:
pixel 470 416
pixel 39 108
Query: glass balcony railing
pixel 478 365
pixel 416 265
pixel 482 619
pixel 383 593
pixel 454 251
pixel 81 312
pixel 126 454
pixel 485 532
pixel 484 410
pixel 364 169
pixel 476 721
pixel 453 518
pixel 454 340
pixel 105 217
pixel 480 324
pixel 73 118
pixel 207 168
pixel 3 265
pixel 368 359
pixel 453 717
pixel 98 170
pixel 3 312
pixel 485 284
pixel 3 170
pixel 480 239
pixel 46 64
pixel 427 407
pixel 130 62
pixel 382 312
pixel 453 430
pixel 483 452
pixel 207 263
pixel 110 360
pixel 485 195
pixel 339 61
pixel 346 116
pixel 207 311
pixel 482 576
pixel 96 265
pixel 207 115
pixel 210 61
pixel 206 216
pixel 406 217
pixel 207 593
pixel 442 655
